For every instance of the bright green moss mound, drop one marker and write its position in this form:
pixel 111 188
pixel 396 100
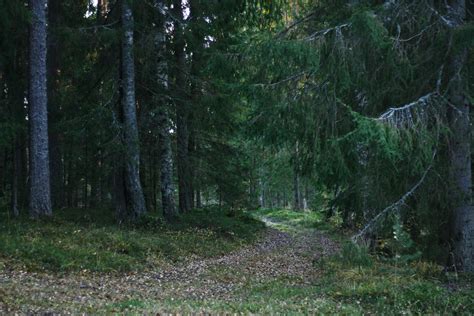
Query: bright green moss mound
pixel 91 240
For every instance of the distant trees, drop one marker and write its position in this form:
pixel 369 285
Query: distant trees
pixel 40 198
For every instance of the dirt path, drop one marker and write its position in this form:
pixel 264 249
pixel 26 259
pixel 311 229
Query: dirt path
pixel 277 255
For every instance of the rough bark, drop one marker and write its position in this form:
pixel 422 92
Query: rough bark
pixel 56 164
pixel 182 112
pixel 133 187
pixel 164 140
pixel 40 196
pixel 461 153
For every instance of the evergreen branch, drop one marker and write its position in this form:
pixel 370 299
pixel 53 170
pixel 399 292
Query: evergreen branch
pixel 324 32
pixel 274 84
pixel 96 27
pixel 403 116
pixel 294 24
pixel 369 227
pixel 424 30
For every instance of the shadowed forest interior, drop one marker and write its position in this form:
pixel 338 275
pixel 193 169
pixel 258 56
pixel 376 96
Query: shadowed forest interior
pixel 244 156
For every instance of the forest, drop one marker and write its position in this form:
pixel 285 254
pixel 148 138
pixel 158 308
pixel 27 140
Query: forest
pixel 236 156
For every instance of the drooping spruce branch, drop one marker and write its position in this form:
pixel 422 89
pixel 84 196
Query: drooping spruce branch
pixel 322 33
pixel 395 207
pixel 408 115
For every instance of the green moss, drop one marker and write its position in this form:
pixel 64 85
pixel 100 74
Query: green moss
pixel 90 240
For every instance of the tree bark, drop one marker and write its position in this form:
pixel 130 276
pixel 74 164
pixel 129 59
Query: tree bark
pixel 297 203
pixel 461 153
pixel 56 164
pixel 133 187
pixel 40 192
pixel 164 139
pixel 182 111
pixel 15 175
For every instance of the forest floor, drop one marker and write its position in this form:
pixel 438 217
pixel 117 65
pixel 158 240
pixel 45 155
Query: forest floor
pixel 291 268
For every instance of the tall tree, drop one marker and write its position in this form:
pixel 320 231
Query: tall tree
pixel 56 165
pixel 40 197
pixel 182 111
pixel 133 188
pixel 162 104
pixel 461 148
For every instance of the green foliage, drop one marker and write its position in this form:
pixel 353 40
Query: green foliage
pixel 76 240
pixel 355 255
pixel 402 245
pixel 289 219
pixel 383 288
pixel 325 82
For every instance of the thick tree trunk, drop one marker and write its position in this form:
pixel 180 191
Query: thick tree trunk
pixel 40 196
pixel 133 187
pixel 182 112
pixel 461 154
pixel 164 140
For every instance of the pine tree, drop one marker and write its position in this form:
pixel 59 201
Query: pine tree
pixel 163 109
pixel 182 110
pixel 133 189
pixel 40 198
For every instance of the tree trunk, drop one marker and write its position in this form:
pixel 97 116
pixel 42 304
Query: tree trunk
pixel 85 198
pixel 40 196
pixel 296 191
pixel 102 9
pixel 162 105
pixel 297 195
pixel 15 177
pixel 119 194
pixel 182 111
pixel 133 188
pixel 461 154
pixel 56 167
pixel 198 199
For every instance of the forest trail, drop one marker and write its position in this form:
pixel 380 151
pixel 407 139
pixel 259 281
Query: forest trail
pixel 188 286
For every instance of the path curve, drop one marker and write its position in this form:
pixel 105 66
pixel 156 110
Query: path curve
pixel 277 254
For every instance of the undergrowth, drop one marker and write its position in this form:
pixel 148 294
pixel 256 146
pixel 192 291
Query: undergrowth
pixel 77 239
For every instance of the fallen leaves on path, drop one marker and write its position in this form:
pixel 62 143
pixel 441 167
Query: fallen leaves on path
pixel 277 254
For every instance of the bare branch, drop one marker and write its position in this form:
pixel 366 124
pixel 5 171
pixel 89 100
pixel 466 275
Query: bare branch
pixel 322 33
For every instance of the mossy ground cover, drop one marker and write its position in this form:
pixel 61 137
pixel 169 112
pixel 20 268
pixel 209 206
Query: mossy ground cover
pixel 232 268
pixel 76 240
